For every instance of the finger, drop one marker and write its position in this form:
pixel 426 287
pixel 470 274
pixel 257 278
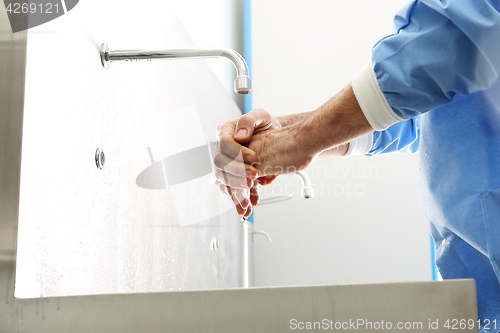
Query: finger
pixel 239 201
pixel 241 204
pixel 226 190
pixel 248 212
pixel 222 187
pixel 233 181
pixel 255 120
pixel 244 128
pixel 236 151
pixel 233 149
pixel 240 197
pixel 230 147
pixel 266 180
pixel 254 196
pixel 234 167
pixel 240 210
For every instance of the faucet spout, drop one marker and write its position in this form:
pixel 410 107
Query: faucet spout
pixel 242 83
pixel 307 188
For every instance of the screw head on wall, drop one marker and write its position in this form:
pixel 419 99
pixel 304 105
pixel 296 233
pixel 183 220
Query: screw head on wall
pixel 100 158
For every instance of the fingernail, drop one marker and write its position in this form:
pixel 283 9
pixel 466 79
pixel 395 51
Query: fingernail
pixel 242 132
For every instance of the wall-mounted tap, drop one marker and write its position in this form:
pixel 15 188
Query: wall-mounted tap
pixel 307 188
pixel 242 83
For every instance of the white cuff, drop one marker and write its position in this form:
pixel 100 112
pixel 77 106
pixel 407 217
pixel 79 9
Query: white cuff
pixel 360 146
pixel 371 99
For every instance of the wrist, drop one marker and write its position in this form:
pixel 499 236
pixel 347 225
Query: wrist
pixel 340 150
pixel 309 135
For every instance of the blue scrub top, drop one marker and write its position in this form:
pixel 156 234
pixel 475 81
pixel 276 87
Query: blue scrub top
pixel 440 71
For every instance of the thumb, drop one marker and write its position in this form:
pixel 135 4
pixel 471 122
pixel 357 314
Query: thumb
pixel 244 129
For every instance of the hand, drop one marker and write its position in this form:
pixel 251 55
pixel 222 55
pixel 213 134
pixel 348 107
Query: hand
pixel 281 151
pixel 325 131
pixel 236 174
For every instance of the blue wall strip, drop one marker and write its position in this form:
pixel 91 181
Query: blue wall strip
pixel 435 274
pixel 247 45
pixel 247 54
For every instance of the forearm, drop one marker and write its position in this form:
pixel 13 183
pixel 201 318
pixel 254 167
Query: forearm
pixel 293 118
pixel 296 146
pixel 329 129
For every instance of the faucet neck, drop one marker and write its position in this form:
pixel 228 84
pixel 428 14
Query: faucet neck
pixel 243 83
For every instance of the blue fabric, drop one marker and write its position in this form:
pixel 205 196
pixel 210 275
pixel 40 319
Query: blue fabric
pixel 439 49
pixel 460 173
pixel 440 70
pixel 401 137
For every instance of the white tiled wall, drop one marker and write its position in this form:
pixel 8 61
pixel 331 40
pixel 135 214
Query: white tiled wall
pixel 89 231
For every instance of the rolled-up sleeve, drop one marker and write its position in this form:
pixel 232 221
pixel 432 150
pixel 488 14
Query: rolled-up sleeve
pixel 438 49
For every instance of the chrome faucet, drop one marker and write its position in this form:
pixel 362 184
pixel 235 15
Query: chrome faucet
pixel 242 83
pixel 307 188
